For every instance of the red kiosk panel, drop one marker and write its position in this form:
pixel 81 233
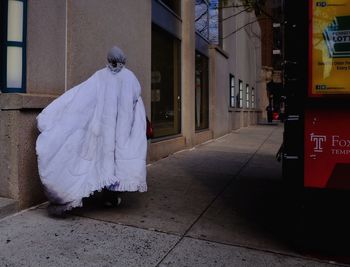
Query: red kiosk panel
pixel 327 149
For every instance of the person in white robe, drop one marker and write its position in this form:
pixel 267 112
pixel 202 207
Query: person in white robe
pixel 94 137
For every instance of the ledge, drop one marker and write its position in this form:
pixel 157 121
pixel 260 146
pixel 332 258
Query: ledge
pixel 203 136
pixel 7 207
pixel 235 109
pixel 220 50
pixel 164 148
pixel 244 110
pixel 10 101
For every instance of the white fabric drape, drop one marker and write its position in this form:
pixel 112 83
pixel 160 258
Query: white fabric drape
pixel 93 136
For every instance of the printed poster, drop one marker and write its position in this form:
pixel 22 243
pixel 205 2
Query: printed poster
pixel 330 48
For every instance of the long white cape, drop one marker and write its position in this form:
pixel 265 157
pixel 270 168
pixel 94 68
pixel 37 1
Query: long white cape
pixel 93 136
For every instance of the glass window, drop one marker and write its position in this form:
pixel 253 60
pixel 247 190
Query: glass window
pixel 174 5
pixel 208 20
pixel 202 18
pixel 165 83
pixel 215 21
pixel 3 47
pixel 232 92
pixel 240 94
pixel 253 97
pixel 14 67
pixel 15 21
pixel 247 96
pixel 202 92
pixel 12 45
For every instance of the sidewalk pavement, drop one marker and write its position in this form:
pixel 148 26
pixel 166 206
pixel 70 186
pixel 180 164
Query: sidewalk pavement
pixel 214 205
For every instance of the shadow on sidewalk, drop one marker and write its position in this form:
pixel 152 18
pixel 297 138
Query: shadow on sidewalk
pixel 231 191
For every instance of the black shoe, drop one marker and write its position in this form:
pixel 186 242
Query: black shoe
pixel 58 211
pixel 111 198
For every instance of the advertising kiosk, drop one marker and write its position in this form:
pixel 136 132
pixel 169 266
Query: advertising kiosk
pixel 316 141
pixel 317 79
pixel 327 126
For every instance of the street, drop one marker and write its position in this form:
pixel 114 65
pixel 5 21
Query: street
pixel 221 203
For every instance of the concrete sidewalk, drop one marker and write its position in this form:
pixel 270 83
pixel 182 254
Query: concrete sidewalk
pixel 214 205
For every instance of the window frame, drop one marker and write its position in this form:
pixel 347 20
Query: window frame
pixel 4 44
pixel 232 88
pixel 160 134
pixel 253 97
pixel 247 96
pixel 240 94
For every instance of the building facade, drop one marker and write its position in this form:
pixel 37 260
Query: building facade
pixel 198 62
pixel 272 25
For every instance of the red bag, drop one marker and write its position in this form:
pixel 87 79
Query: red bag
pixel 149 130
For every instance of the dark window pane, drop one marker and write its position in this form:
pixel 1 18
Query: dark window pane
pixel 232 91
pixel 166 101
pixel 247 96
pixel 202 92
pixel 240 94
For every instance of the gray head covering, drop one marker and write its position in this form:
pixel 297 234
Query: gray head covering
pixel 116 59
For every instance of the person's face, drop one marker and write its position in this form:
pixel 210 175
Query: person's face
pixel 113 62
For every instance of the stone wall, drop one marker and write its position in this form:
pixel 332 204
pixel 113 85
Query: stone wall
pixel 19 178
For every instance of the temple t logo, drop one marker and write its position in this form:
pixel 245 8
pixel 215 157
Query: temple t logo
pixel 318 140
